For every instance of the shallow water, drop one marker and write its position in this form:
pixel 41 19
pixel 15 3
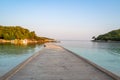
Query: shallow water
pixel 12 55
pixel 105 54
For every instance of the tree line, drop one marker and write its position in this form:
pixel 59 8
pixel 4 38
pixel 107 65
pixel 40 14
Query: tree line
pixel 18 32
pixel 112 35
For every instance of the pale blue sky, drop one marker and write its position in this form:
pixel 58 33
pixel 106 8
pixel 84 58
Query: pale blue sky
pixel 62 19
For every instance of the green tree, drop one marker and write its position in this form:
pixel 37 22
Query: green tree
pixel 112 35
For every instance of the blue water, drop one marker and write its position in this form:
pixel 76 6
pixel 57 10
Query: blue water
pixel 12 55
pixel 105 54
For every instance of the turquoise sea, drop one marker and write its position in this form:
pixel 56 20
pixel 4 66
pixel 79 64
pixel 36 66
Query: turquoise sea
pixel 105 54
pixel 12 55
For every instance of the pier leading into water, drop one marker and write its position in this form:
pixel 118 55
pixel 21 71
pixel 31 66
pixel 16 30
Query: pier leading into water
pixel 56 63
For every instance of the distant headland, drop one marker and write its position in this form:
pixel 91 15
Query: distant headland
pixel 20 35
pixel 113 35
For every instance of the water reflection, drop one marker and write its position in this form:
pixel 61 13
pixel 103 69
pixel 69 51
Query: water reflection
pixel 114 48
pixel 9 49
pixel 12 55
pixel 111 47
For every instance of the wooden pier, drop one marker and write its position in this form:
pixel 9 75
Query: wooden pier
pixel 56 63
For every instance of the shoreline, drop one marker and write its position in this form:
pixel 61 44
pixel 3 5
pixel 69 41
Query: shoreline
pixel 109 41
pixel 24 41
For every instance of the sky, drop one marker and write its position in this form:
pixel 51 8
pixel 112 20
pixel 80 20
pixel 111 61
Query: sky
pixel 62 19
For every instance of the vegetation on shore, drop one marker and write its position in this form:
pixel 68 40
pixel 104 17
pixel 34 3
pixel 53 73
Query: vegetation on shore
pixel 18 34
pixel 110 36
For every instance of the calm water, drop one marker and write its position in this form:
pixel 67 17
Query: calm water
pixel 12 55
pixel 104 54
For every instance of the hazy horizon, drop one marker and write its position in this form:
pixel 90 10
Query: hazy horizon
pixel 62 19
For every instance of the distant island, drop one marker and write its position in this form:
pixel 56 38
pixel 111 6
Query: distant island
pixel 20 35
pixel 113 35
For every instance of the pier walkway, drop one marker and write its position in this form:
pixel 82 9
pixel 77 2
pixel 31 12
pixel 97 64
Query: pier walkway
pixel 56 63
